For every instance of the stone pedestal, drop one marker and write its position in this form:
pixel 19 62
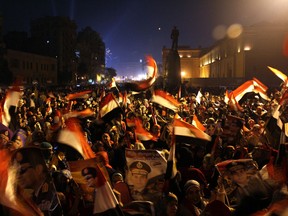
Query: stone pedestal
pixel 173 78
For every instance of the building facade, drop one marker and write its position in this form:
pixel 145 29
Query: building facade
pixel 32 68
pixel 231 61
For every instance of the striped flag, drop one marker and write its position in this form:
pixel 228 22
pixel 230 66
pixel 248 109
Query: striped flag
pixel 234 105
pixel 144 84
pixel 197 123
pixel 73 136
pixel 78 95
pixel 166 100
pixel 9 196
pixel 183 128
pixel 105 202
pixel 140 131
pixel 12 98
pixel 107 104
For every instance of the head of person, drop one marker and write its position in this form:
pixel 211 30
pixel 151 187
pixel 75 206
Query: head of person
pixel 193 193
pixel 32 169
pixel 117 177
pixel 47 150
pixel 89 174
pixel 4 137
pixel 171 204
pixel 18 140
pixel 156 130
pixel 139 174
pixel 106 138
pixel 238 172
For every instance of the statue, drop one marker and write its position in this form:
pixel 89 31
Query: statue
pixel 174 37
pixel 173 67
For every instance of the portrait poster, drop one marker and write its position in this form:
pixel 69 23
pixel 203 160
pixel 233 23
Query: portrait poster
pixel 231 129
pixel 76 168
pixel 242 169
pixel 145 174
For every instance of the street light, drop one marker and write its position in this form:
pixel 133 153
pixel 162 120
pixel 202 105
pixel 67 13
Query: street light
pixel 183 73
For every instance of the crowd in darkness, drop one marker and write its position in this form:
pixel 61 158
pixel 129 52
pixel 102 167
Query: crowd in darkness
pixel 199 187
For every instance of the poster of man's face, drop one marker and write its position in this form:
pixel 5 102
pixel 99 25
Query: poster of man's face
pixel 145 172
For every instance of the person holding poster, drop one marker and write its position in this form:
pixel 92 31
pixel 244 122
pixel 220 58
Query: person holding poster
pixel 145 174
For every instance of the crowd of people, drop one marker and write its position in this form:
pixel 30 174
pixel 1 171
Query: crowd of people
pixel 238 172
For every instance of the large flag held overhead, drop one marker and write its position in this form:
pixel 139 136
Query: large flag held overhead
pixel 73 136
pixel 182 128
pixel 166 100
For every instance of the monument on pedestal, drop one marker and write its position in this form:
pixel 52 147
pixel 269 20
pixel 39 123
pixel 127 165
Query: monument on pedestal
pixel 173 68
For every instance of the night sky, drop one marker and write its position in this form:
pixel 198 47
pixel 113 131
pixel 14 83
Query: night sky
pixel 132 29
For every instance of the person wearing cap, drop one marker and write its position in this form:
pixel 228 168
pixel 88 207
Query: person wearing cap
pixel 139 171
pixel 249 186
pixel 34 175
pixel 193 202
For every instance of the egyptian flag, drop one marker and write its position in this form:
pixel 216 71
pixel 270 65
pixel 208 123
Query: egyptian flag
pixel 105 202
pixel 234 105
pixel 184 129
pixel 197 123
pixel 107 104
pixel 166 100
pixel 144 84
pixel 80 114
pixel 280 75
pixel 73 136
pixel 141 133
pixel 78 95
pixel 11 99
pixel 9 196
pixel 242 90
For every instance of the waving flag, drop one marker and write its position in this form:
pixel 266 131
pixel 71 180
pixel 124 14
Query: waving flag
pixel 105 202
pixel 107 104
pixel 280 75
pixel 81 114
pixel 197 123
pixel 144 84
pixel 242 90
pixel 78 95
pixel 12 98
pixel 234 105
pixel 9 196
pixel 73 136
pixel 183 128
pixel 198 97
pixel 140 131
pixel 166 100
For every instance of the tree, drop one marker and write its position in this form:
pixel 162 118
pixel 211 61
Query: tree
pixel 110 73
pixel 91 50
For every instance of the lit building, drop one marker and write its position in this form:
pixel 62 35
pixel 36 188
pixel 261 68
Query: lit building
pixel 231 61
